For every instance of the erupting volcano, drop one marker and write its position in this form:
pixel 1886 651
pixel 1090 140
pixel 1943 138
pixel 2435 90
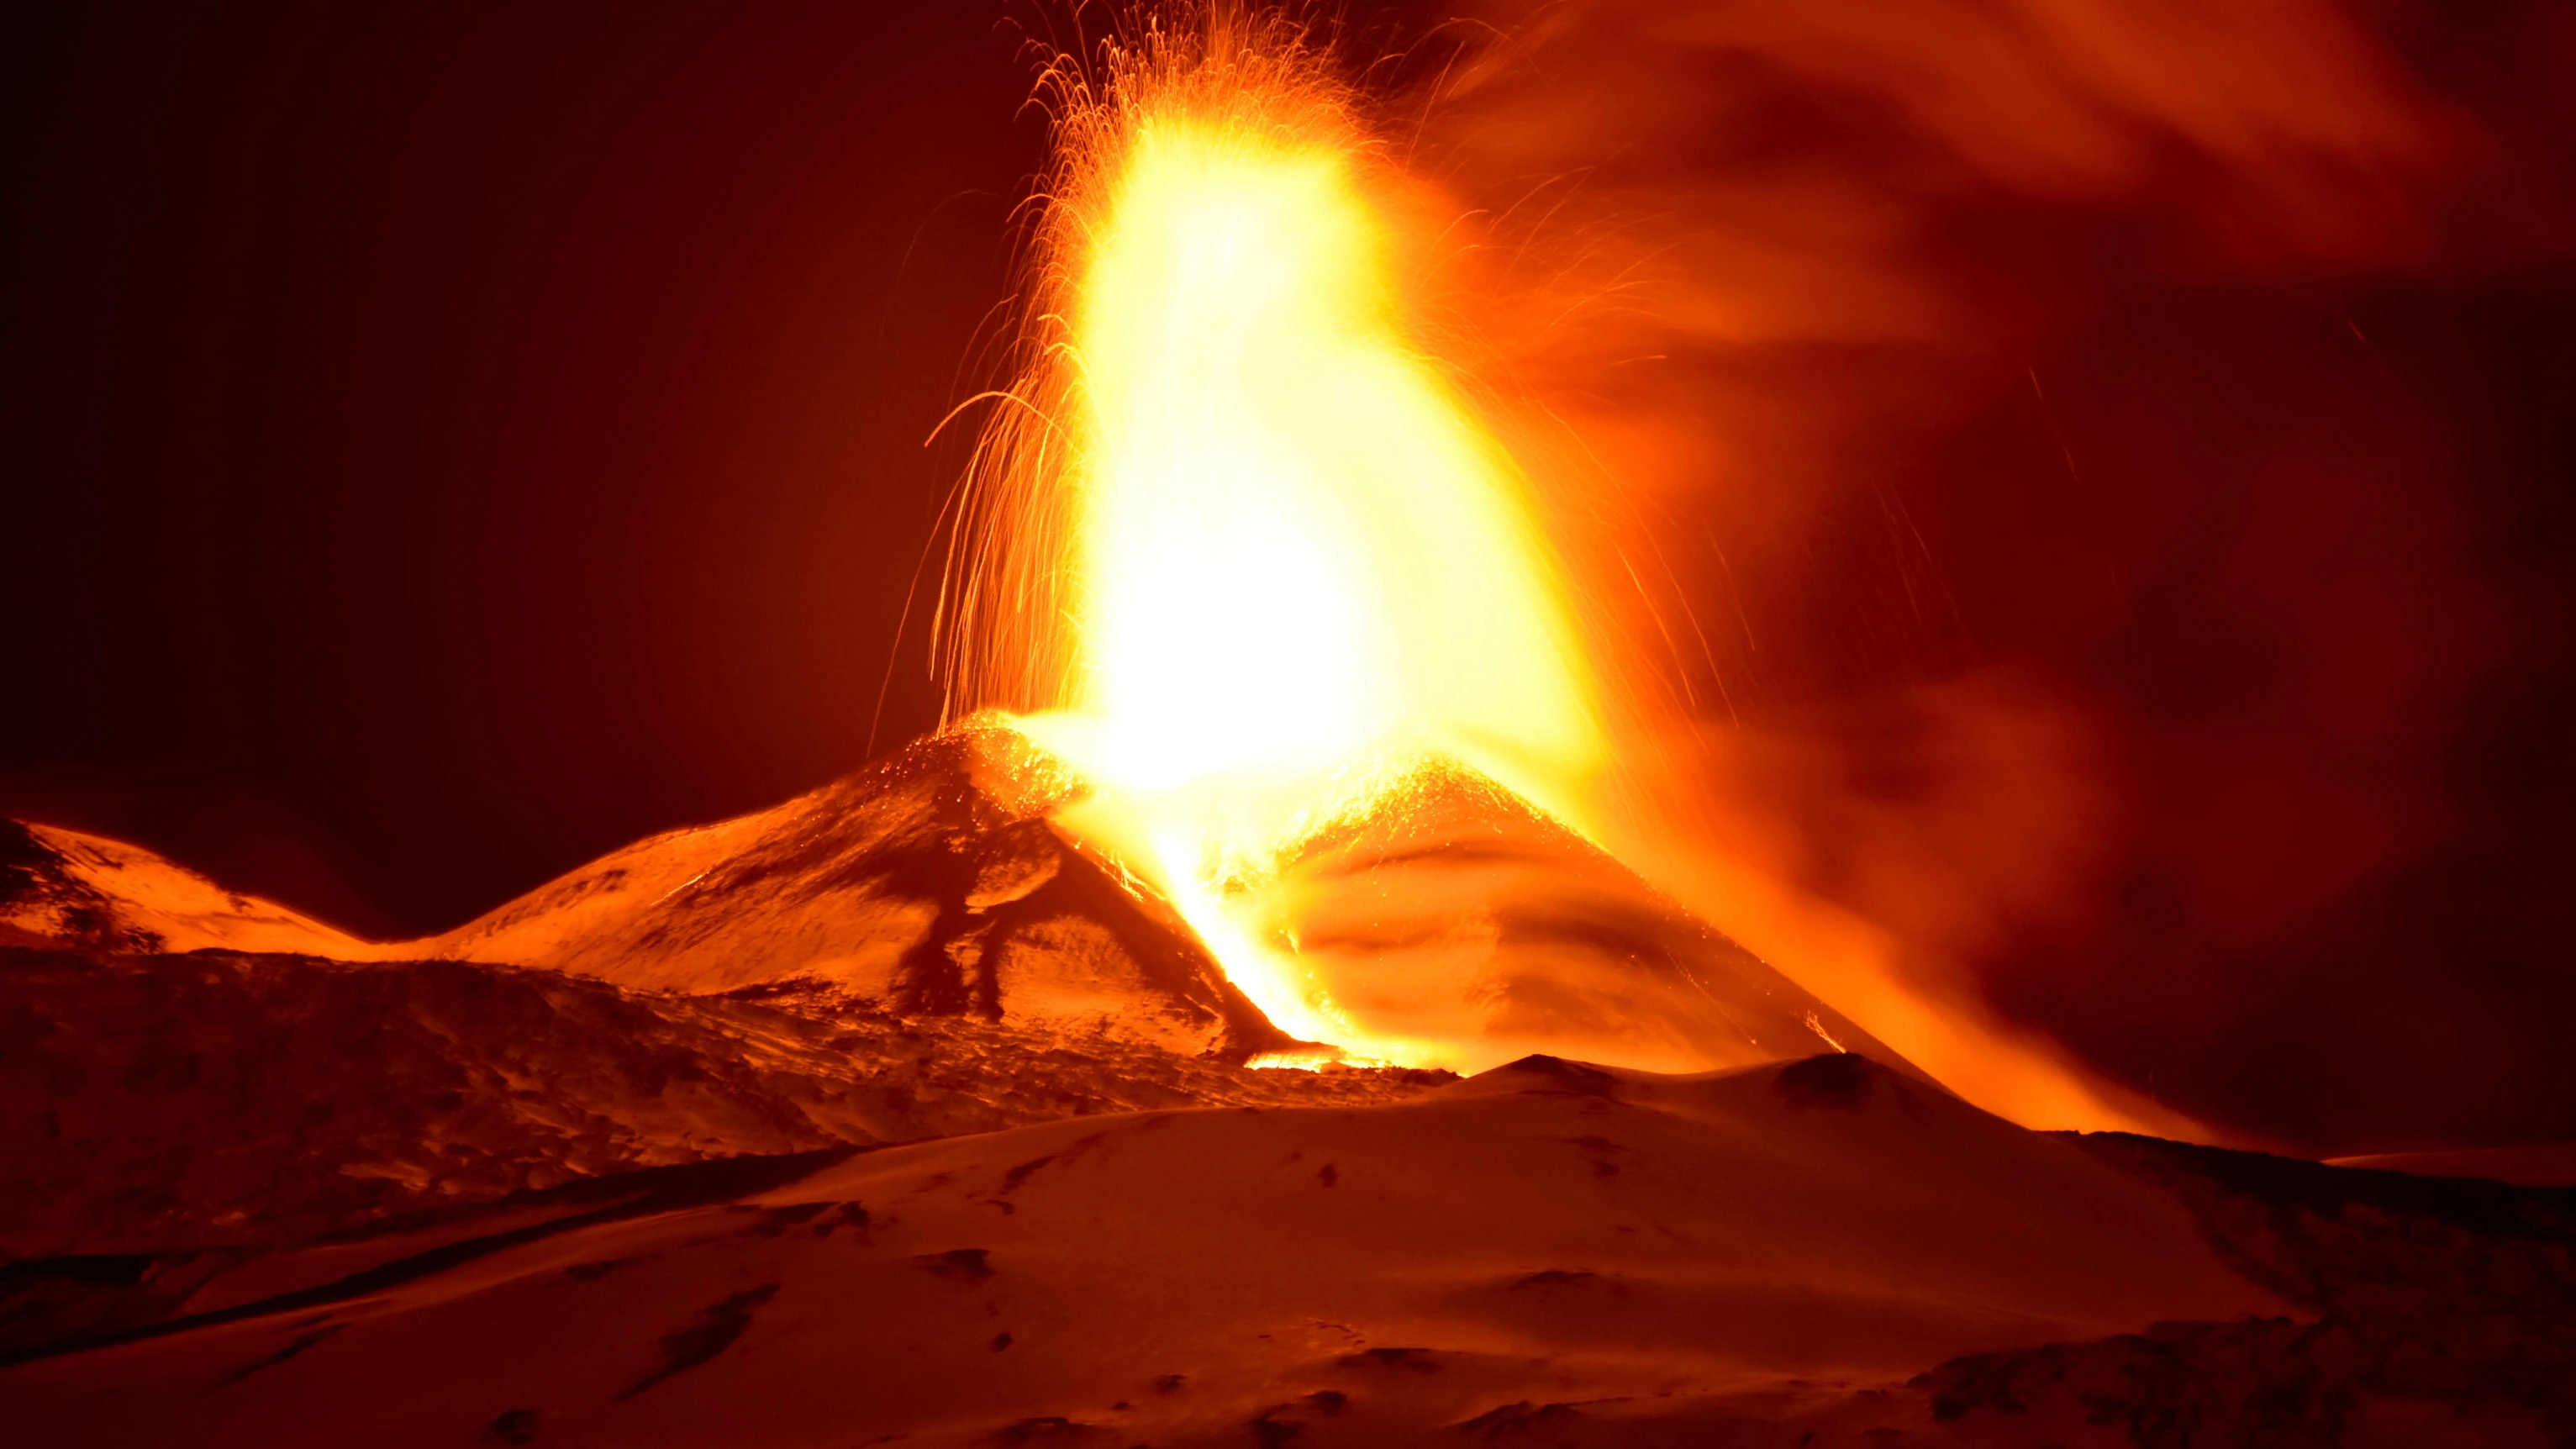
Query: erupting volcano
pixel 1281 588
pixel 1260 1011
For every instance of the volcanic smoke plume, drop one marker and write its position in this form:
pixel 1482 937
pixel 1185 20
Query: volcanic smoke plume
pixel 2090 616
pixel 1485 872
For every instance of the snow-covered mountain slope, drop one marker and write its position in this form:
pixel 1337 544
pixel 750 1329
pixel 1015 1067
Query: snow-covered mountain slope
pixel 941 882
pixel 1451 910
pixel 1620 1247
pixel 929 883
pixel 61 889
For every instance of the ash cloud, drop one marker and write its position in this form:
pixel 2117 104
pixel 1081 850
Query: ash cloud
pixel 2076 480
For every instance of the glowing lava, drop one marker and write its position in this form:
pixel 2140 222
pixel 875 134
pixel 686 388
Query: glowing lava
pixel 1294 539
pixel 1287 554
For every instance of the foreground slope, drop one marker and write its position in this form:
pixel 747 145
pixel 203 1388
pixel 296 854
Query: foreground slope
pixel 1771 1239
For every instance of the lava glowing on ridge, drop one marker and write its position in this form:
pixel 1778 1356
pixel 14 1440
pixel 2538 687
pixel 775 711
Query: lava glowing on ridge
pixel 1263 548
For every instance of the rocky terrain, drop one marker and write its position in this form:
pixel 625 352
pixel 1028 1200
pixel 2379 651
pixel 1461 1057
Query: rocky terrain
pixel 215 1098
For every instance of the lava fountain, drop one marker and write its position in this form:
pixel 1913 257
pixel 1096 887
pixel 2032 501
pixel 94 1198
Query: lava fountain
pixel 1238 544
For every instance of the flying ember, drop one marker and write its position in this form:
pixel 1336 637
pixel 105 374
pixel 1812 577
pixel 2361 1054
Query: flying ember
pixel 1278 553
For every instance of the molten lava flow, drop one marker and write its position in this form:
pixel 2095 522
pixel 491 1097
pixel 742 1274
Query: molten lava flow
pixel 1291 557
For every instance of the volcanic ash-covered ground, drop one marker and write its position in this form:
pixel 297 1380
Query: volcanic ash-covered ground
pixel 895 1115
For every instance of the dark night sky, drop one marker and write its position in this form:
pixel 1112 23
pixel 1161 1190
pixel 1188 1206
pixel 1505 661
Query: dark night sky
pixel 443 443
